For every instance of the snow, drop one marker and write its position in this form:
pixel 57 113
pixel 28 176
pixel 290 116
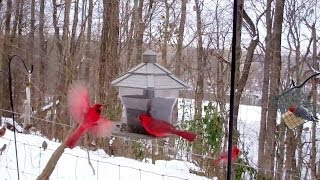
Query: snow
pixel 255 37
pixel 46 107
pixel 10 121
pixel 73 164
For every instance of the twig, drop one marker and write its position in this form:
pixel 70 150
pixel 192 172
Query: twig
pixel 94 172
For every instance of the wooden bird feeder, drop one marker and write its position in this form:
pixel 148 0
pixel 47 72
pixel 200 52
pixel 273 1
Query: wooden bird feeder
pixel 148 87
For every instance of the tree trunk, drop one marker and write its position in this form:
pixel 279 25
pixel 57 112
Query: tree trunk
pixel 199 91
pixel 5 57
pixel 280 151
pixel 178 58
pixel 274 87
pixel 109 60
pixel 65 39
pixel 314 93
pixel 74 54
pixel 20 25
pixel 200 65
pixel 65 74
pixel 42 52
pixel 290 154
pixel 178 61
pixel 265 91
pixel 242 80
pixel 56 32
pixel 129 43
pixel 166 34
pixel 16 21
pixel 139 29
pixel 88 42
pixel 17 49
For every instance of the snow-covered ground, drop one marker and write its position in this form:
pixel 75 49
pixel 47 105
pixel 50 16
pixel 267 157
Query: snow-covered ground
pixel 73 164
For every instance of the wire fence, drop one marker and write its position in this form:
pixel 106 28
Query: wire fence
pixel 140 172
pixel 27 169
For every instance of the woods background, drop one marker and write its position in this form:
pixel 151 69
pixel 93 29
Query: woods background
pixel 96 41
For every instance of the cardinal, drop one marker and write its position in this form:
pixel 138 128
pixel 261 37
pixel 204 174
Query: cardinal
pixel 161 128
pixel 223 158
pixel 88 116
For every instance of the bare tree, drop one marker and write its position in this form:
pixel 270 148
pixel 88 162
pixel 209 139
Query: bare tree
pixel 265 90
pixel 314 171
pixel 5 57
pixel 43 50
pixel 274 86
pixel 200 64
pixel 166 31
pixel 88 41
pixel 178 58
pixel 109 60
pixel 139 27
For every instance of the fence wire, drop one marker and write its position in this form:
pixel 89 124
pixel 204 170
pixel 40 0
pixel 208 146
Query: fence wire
pixel 99 162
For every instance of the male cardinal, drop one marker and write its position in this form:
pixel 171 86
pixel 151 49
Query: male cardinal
pixel 87 116
pixel 161 128
pixel 303 113
pixel 223 158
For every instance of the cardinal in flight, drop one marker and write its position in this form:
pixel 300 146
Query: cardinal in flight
pixel 88 116
pixel 161 128
pixel 223 158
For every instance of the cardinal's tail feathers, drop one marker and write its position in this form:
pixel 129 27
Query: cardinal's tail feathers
pixel 74 137
pixel 186 135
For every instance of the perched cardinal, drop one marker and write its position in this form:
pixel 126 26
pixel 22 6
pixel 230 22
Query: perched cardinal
pixel 223 158
pixel 161 128
pixel 87 116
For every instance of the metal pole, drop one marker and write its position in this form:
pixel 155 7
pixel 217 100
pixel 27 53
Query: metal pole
pixel 11 104
pixel 232 88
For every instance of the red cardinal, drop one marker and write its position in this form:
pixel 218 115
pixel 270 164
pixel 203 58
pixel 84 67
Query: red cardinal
pixel 223 158
pixel 87 116
pixel 161 128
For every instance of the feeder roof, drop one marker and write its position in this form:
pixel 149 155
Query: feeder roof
pixel 149 74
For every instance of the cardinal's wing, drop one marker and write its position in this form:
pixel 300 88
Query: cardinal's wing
pixel 78 101
pixel 102 128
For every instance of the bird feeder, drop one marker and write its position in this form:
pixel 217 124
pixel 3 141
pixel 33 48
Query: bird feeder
pixel 147 88
pixel 291 120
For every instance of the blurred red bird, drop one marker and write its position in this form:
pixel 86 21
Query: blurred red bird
pixel 223 158
pixel 87 116
pixel 161 128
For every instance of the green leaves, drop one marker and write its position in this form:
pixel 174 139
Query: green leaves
pixel 213 127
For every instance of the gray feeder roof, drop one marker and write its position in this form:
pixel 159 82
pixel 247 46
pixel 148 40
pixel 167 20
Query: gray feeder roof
pixel 149 75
